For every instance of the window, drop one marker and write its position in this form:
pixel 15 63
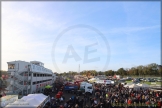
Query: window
pixel 90 87
pixel 34 75
pixel 34 83
pixel 11 66
pixel 37 75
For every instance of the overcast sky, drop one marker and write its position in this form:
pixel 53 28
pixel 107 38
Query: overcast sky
pixel 111 35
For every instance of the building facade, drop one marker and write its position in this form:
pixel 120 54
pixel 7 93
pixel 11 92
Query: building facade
pixel 29 77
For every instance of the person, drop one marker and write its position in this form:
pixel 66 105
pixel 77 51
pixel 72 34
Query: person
pixel 81 103
pixel 160 103
pixel 61 99
pixel 76 106
pixel 0 95
pixel 61 106
pixel 95 101
pixel 65 105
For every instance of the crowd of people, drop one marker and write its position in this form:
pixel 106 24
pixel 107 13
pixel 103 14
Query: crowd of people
pixel 110 96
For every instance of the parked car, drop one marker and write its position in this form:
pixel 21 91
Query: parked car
pixel 144 79
pixel 159 80
pixel 129 78
pixel 136 81
pixel 141 79
pixel 155 79
pixel 148 79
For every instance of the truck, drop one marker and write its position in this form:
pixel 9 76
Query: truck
pixel 86 87
pixel 82 87
pixel 69 86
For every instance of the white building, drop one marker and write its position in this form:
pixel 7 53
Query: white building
pixel 29 77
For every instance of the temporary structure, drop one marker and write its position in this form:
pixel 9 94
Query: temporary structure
pixel 133 86
pixel 144 85
pixel 128 84
pixel 48 86
pixel 30 101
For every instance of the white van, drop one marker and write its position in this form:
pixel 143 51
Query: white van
pixel 86 88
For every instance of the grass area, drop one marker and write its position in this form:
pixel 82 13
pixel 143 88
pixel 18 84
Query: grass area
pixel 145 82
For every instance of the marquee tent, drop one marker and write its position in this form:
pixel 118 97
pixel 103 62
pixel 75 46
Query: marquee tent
pixel 48 86
pixel 30 101
pixel 143 85
pixel 132 86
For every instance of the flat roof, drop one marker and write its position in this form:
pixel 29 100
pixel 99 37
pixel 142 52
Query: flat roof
pixel 36 62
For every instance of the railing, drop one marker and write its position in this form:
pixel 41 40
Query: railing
pixel 20 87
pixel 18 90
pixel 19 77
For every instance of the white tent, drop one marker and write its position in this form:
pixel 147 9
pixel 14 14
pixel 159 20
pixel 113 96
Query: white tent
pixel 133 86
pixel 143 85
pixel 30 101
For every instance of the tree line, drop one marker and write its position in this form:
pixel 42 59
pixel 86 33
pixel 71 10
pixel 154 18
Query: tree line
pixel 152 69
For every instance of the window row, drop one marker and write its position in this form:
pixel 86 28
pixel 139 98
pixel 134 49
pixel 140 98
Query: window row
pixel 37 82
pixel 41 75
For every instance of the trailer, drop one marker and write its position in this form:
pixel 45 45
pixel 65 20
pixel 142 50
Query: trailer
pixel 71 87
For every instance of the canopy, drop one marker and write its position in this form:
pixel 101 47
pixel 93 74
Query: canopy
pixel 48 86
pixel 133 86
pixel 143 85
pixel 30 101
pixel 128 84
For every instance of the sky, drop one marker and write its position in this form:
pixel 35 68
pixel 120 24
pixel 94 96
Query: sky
pixel 95 35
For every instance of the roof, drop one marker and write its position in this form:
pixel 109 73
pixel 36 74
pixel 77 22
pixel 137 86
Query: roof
pixel 36 62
